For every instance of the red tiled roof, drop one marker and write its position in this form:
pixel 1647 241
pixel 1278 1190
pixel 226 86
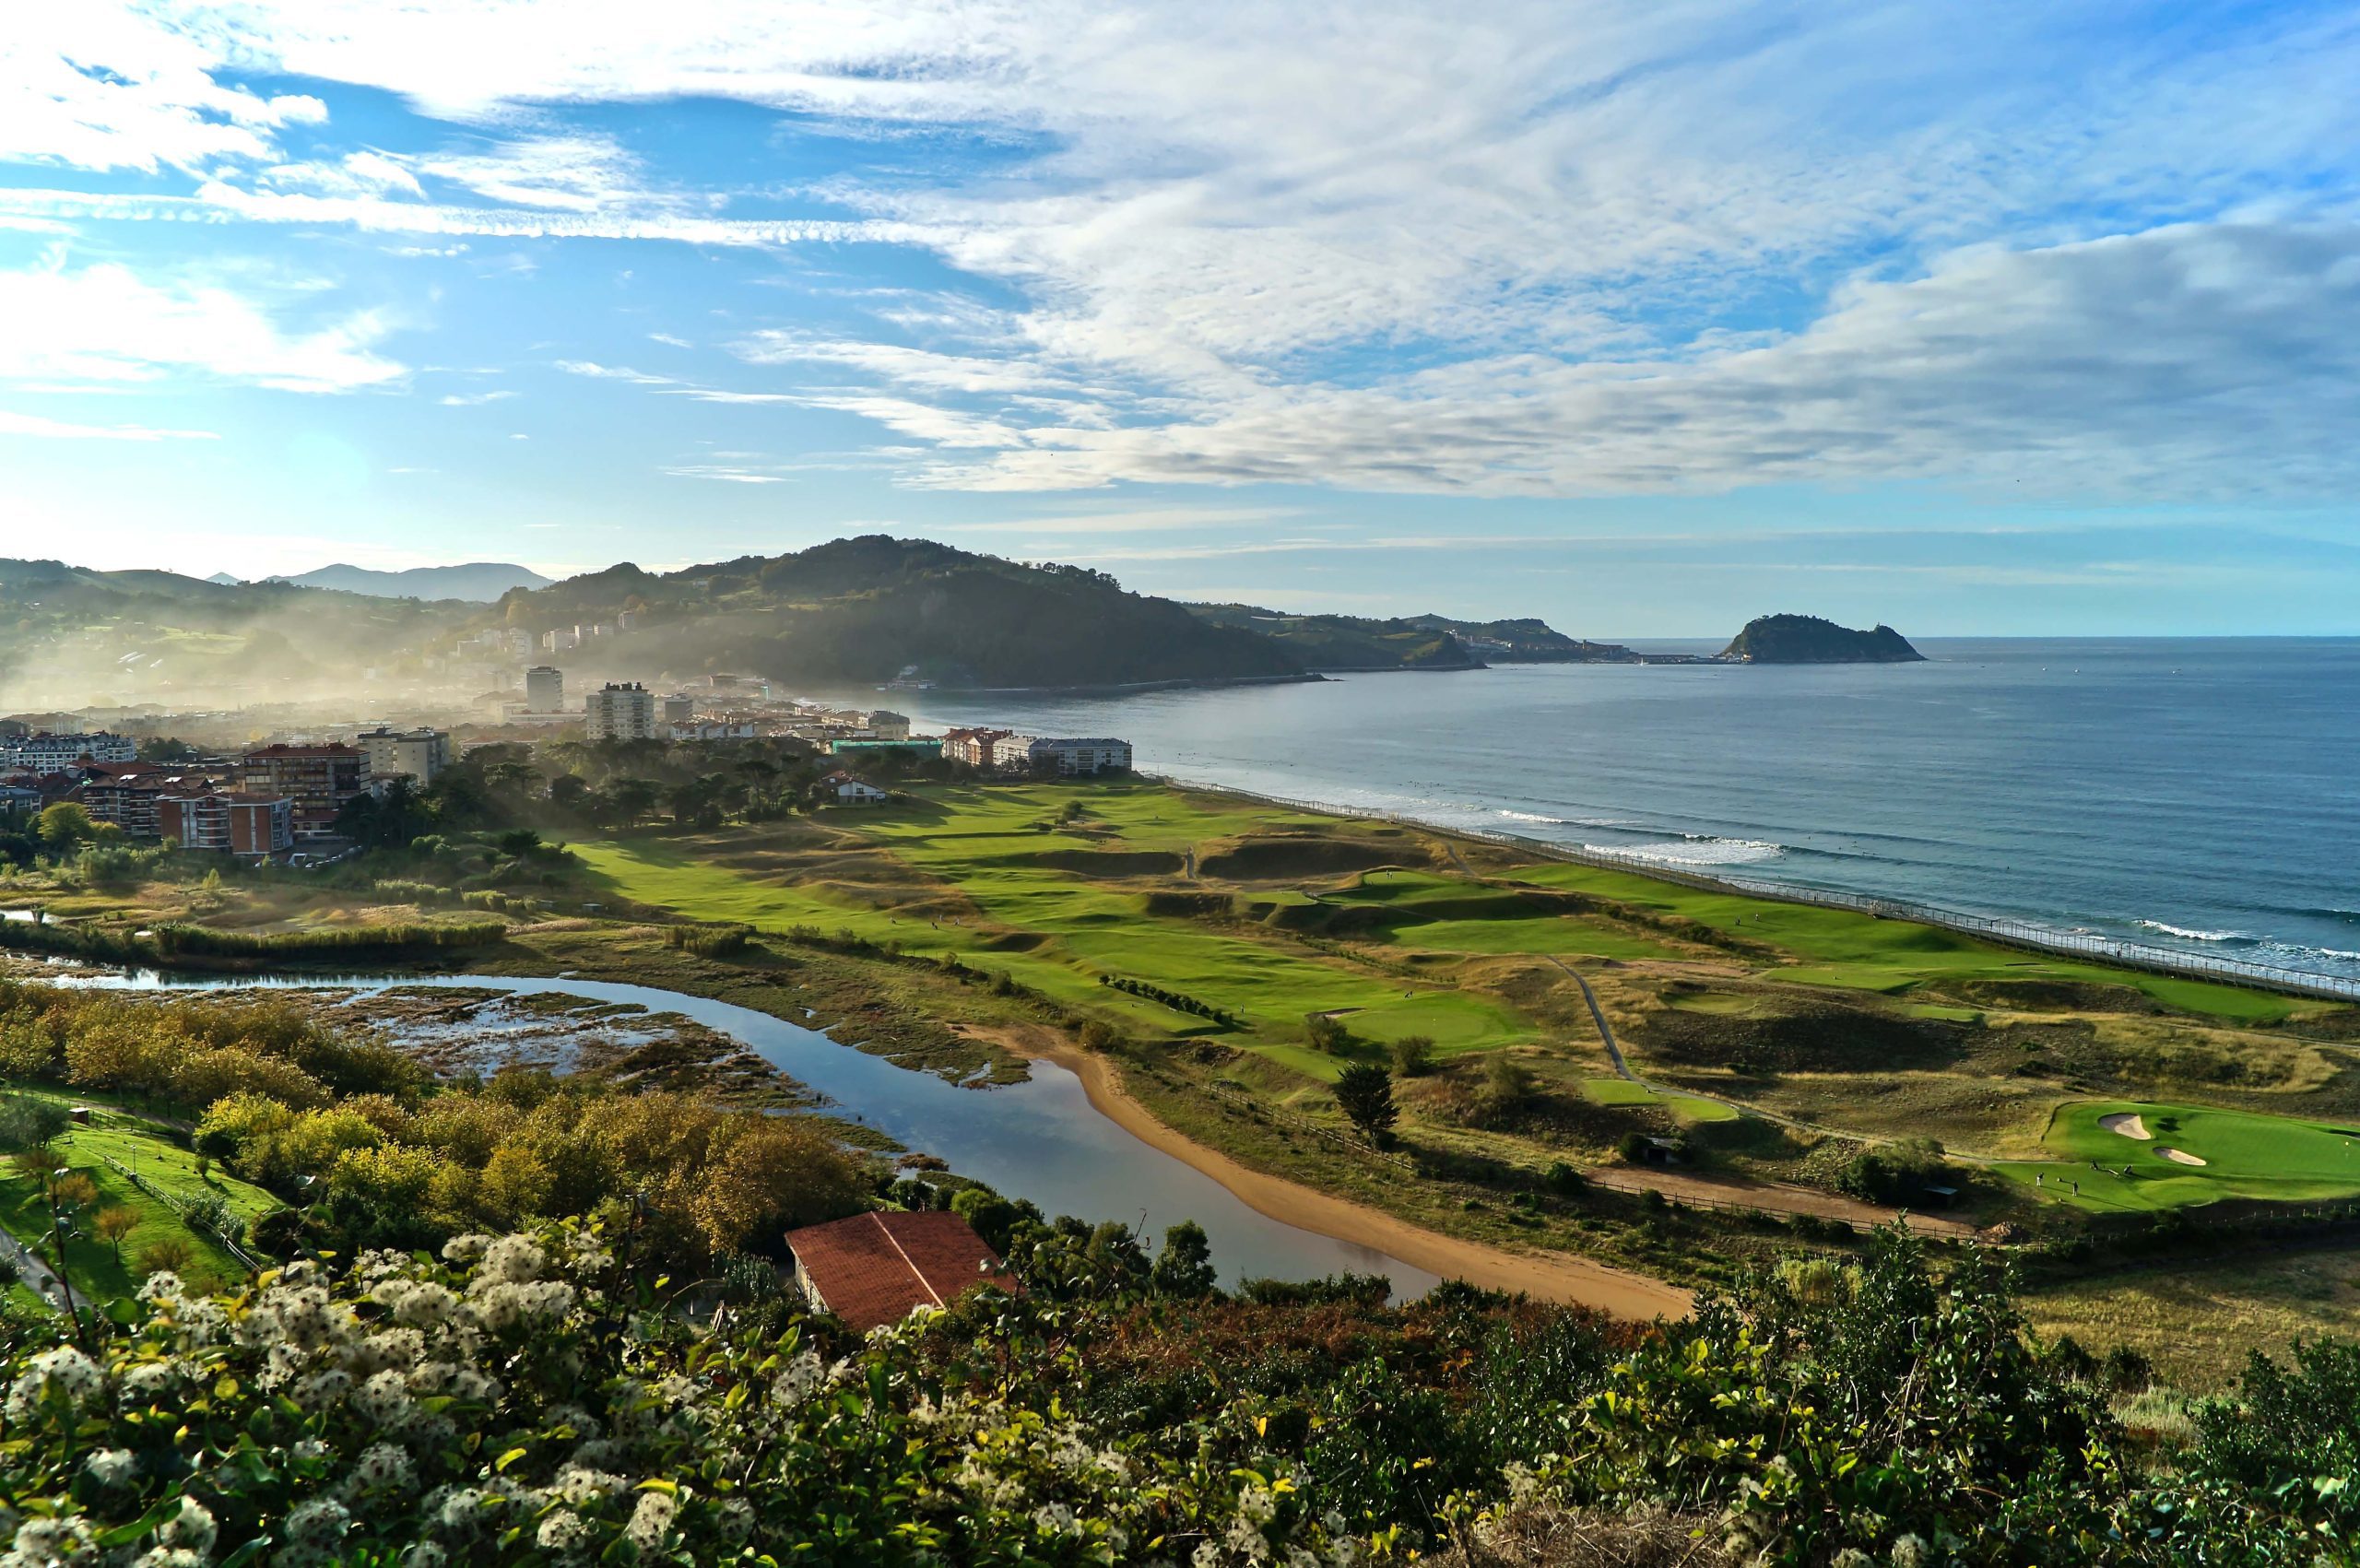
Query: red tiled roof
pixel 877 1269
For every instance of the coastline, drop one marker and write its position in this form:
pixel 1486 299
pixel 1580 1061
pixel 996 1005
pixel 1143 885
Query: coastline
pixel 1555 1277
pixel 2308 984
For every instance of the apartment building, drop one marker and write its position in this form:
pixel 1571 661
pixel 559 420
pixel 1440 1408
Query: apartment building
pixel 679 709
pixel 544 690
pixel 621 711
pixel 1068 758
pixel 975 748
pixel 318 780
pixel 414 754
pixel 48 753
pixel 248 825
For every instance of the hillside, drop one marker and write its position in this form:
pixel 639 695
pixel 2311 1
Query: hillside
pixel 1345 642
pixel 70 636
pixel 1526 641
pixel 480 581
pixel 867 609
pixel 1808 640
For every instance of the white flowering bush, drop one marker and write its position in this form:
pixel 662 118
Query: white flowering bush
pixel 517 1400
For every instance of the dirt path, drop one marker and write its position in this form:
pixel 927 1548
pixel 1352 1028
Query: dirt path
pixel 1773 1197
pixel 33 1271
pixel 1558 1277
pixel 1598 1015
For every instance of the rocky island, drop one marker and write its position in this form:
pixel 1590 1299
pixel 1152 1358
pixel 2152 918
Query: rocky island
pixel 1808 640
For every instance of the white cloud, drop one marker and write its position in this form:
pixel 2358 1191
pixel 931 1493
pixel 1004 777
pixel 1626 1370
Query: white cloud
pixel 107 325
pixel 34 425
pixel 474 399
pixel 1536 247
pixel 596 371
pixel 100 84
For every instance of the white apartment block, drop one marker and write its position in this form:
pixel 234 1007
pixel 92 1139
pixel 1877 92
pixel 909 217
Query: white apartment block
pixel 624 711
pixel 54 753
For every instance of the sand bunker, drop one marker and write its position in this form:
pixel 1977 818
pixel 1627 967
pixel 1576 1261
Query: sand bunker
pixel 2179 1157
pixel 2128 1126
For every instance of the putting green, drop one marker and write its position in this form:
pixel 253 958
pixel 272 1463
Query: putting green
pixel 2244 1155
pixel 1687 1107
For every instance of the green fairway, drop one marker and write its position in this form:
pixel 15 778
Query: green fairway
pixel 1035 911
pixel 1445 915
pixel 2275 1158
pixel 1844 949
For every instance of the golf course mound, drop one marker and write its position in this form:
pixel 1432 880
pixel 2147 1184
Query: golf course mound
pixel 1813 1039
pixel 2054 996
pixel 1184 905
pixel 1110 864
pixel 1280 858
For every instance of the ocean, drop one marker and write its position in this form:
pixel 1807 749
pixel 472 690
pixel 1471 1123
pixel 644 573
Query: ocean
pixel 2198 794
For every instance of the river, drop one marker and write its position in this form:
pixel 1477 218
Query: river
pixel 1041 1140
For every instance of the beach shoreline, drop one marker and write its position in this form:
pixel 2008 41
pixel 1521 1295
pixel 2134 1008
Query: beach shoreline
pixel 1553 1277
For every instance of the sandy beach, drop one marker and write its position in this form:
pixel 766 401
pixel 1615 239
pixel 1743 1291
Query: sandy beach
pixel 1556 1276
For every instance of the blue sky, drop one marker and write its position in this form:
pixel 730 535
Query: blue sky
pixel 1644 317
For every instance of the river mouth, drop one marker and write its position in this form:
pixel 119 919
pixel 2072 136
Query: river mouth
pixel 1040 1139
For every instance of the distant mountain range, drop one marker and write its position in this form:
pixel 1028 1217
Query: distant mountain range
pixel 854 612
pixel 480 581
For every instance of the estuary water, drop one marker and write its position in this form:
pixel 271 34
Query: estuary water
pixel 2200 793
pixel 1041 1140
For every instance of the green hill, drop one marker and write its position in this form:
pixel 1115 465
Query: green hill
pixel 866 610
pixel 1808 640
pixel 1345 642
pixel 70 636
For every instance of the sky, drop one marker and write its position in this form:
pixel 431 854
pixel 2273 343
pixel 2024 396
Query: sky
pixel 1646 318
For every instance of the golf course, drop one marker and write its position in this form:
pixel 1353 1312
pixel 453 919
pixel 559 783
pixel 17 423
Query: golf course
pixel 1210 932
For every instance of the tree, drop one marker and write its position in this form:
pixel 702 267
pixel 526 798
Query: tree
pixel 1326 1033
pixel 1365 1093
pixel 113 1224
pixel 167 1255
pixel 1414 1055
pixel 1185 1268
pixel 63 825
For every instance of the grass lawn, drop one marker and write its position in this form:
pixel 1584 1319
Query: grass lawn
pixel 2246 1156
pixel 1623 1092
pixel 93 1267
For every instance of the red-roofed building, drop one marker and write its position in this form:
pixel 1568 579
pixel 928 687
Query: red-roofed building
pixel 878 1268
pixel 318 779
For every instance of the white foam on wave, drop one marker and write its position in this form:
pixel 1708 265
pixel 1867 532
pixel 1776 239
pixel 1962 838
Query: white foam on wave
pixel 1566 821
pixel 1696 850
pixel 2187 933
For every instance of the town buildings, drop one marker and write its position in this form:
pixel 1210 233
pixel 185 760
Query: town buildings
pixel 1006 751
pixel 318 780
pixel 16 799
pixel 886 724
pixel 414 754
pixel 48 753
pixel 679 709
pixel 624 711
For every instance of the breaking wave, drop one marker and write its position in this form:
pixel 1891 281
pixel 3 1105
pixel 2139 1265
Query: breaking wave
pixel 1696 849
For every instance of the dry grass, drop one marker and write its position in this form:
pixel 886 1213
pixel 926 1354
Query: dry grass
pixel 2197 1324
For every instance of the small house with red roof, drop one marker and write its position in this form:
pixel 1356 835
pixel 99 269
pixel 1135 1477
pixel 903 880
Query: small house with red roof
pixel 879 1267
